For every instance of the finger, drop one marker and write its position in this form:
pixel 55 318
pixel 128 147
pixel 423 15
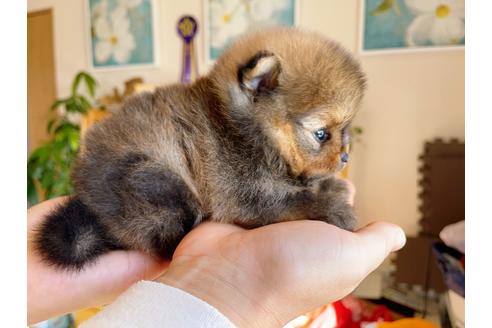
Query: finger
pixel 122 268
pixel 39 212
pixel 393 236
pixel 114 272
pixel 376 241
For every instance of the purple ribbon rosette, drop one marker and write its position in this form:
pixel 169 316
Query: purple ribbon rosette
pixel 187 28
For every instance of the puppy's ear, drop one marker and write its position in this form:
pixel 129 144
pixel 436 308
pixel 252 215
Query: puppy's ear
pixel 260 74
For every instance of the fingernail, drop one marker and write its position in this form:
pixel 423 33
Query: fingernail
pixel 399 239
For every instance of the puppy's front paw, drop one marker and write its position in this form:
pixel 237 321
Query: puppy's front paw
pixel 338 196
pixel 337 189
pixel 341 215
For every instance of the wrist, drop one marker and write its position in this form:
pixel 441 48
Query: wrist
pixel 224 286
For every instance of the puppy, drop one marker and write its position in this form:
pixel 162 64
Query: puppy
pixel 254 142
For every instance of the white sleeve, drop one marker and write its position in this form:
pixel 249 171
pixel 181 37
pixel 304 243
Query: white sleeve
pixel 151 304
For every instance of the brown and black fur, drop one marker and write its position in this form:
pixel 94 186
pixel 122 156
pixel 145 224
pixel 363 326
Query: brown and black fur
pixel 236 146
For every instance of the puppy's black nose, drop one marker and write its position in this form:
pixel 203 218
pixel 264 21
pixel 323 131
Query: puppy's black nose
pixel 344 157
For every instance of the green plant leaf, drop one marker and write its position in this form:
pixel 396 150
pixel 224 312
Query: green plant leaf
pixel 384 6
pixel 32 193
pixel 49 166
pixel 57 103
pixel 50 125
pixel 91 83
pixel 85 104
pixel 71 105
pixel 66 126
pixel 76 82
pixel 38 171
pixel 58 188
pixel 81 106
pixel 40 155
pixel 47 179
pixel 73 138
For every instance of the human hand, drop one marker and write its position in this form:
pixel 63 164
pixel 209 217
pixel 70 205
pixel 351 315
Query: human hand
pixel 52 292
pixel 267 276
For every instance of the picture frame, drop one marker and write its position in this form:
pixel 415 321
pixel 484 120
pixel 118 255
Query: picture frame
pixel 363 48
pixel 137 21
pixel 278 16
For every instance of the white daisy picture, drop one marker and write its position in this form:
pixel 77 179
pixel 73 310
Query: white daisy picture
pixel 400 24
pixel 121 33
pixel 227 19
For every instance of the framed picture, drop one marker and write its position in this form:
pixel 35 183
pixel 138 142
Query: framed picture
pixel 411 25
pixel 122 33
pixel 225 20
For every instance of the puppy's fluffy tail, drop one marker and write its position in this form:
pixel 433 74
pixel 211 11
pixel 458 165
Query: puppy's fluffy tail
pixel 72 236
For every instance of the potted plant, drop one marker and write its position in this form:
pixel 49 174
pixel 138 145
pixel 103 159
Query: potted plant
pixel 49 166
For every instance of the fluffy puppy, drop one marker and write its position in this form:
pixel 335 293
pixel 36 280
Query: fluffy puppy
pixel 254 142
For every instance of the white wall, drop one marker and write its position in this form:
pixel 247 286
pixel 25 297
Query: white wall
pixel 412 97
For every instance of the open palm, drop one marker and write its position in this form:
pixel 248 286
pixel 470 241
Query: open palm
pixel 278 271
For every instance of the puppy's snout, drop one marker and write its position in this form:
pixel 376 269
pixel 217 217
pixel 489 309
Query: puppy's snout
pixel 344 157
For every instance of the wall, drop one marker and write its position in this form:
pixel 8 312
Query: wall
pixel 412 97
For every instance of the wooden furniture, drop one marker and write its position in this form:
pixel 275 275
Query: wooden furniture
pixel 442 198
pixel 442 185
pixel 41 88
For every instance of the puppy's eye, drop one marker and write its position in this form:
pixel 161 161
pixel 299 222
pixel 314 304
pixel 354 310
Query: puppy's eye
pixel 322 135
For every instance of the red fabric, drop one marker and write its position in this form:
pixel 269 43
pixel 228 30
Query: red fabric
pixel 350 313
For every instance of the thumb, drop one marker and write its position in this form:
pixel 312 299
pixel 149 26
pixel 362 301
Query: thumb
pixel 378 240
